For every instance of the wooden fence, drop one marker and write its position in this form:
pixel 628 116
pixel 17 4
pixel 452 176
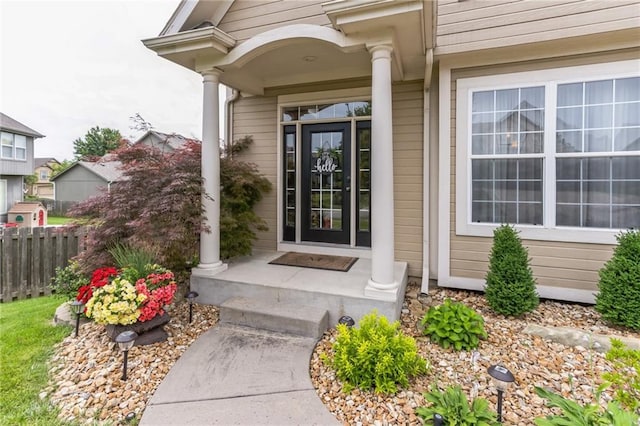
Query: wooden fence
pixel 29 257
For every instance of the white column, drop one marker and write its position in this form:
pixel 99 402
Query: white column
pixel 210 262
pixel 382 204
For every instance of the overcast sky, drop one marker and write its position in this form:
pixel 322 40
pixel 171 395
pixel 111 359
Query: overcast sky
pixel 66 66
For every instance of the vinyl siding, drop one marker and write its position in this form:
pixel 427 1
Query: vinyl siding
pixel 248 18
pixel 484 24
pixel 257 117
pixel 554 264
pixel 408 116
pixel 78 184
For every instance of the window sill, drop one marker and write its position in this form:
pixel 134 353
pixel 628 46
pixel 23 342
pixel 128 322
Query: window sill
pixel 539 233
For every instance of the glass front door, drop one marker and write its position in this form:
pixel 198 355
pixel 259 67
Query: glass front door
pixel 326 182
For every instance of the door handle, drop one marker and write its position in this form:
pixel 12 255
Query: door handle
pixel 348 187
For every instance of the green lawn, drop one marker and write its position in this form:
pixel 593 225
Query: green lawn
pixel 26 342
pixel 58 220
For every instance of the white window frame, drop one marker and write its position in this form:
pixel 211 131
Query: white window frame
pixel 550 78
pixel 14 147
pixel 3 196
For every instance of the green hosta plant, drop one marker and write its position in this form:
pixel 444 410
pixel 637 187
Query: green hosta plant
pixel 624 379
pixel 375 355
pixel 574 414
pixel 619 298
pixel 453 406
pixel 453 324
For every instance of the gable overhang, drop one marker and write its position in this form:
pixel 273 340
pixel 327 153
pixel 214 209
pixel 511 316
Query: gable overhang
pixel 185 48
pixel 191 13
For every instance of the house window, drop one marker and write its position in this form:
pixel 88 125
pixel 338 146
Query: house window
pixel 555 152
pixel 13 147
pixel 506 155
pixel 44 174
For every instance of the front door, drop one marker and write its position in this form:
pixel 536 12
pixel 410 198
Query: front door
pixel 326 182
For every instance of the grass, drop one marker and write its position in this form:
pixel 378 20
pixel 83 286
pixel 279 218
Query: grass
pixel 58 220
pixel 27 338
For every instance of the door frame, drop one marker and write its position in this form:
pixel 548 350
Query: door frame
pixel 308 234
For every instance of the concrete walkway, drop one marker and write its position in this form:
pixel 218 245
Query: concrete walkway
pixel 240 376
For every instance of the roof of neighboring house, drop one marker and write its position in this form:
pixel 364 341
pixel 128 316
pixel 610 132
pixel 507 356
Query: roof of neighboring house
pixel 14 126
pixel 173 140
pixel 107 170
pixel 39 162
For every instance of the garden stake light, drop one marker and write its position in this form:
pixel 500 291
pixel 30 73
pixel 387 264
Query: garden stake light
pixel 125 341
pixel 77 307
pixel 501 378
pixel 190 296
pixel 348 321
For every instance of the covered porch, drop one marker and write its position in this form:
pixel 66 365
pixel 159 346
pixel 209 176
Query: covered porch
pixel 354 58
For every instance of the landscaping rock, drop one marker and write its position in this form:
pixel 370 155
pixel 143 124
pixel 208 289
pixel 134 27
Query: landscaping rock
pixel 86 371
pixel 569 336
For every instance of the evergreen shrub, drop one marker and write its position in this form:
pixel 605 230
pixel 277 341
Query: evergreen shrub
pixel 510 286
pixel 375 355
pixel 619 298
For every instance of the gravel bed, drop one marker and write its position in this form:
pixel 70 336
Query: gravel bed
pixel 571 371
pixel 85 372
pixel 86 385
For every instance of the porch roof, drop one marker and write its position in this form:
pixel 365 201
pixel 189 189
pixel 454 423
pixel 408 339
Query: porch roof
pixel 297 54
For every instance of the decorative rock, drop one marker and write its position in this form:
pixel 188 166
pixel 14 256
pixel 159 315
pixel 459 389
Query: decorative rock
pixel 573 337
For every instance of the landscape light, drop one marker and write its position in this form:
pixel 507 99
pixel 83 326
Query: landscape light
pixel 125 341
pixel 501 378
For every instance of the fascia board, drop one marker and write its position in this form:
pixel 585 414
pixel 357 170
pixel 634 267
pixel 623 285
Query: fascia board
pixel 179 17
pixel 201 38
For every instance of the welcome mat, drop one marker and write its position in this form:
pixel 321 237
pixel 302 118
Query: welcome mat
pixel 316 261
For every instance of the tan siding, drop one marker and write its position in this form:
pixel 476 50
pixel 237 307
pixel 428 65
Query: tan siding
pixel 554 264
pixel 474 25
pixel 246 19
pixel 407 160
pixel 250 119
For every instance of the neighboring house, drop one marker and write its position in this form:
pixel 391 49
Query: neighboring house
pixel 163 141
pixel 43 188
pixel 85 179
pixel 16 161
pixel 408 131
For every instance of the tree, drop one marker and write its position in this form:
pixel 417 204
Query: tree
pixel 56 169
pixel 511 287
pixel 157 206
pixel 96 143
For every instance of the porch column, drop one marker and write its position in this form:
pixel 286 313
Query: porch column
pixel 382 204
pixel 210 262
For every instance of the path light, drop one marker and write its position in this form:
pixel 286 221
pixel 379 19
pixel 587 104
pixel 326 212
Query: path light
pixel 77 307
pixel 125 341
pixel 501 378
pixel 438 420
pixel 190 296
pixel 348 321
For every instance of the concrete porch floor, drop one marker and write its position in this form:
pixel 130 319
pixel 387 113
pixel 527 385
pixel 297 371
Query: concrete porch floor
pixel 340 293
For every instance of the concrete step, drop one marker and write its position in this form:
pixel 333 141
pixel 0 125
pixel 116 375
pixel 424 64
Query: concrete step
pixel 281 317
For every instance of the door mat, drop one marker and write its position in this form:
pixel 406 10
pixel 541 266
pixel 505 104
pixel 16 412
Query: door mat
pixel 316 261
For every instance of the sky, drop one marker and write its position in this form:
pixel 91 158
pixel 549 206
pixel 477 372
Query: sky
pixel 68 66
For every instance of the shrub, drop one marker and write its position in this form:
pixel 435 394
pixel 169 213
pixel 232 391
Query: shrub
pixel 157 206
pixel 511 288
pixel 453 406
pixel 68 280
pixel 376 355
pixel 575 414
pixel 625 376
pixel 619 298
pixel 453 324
